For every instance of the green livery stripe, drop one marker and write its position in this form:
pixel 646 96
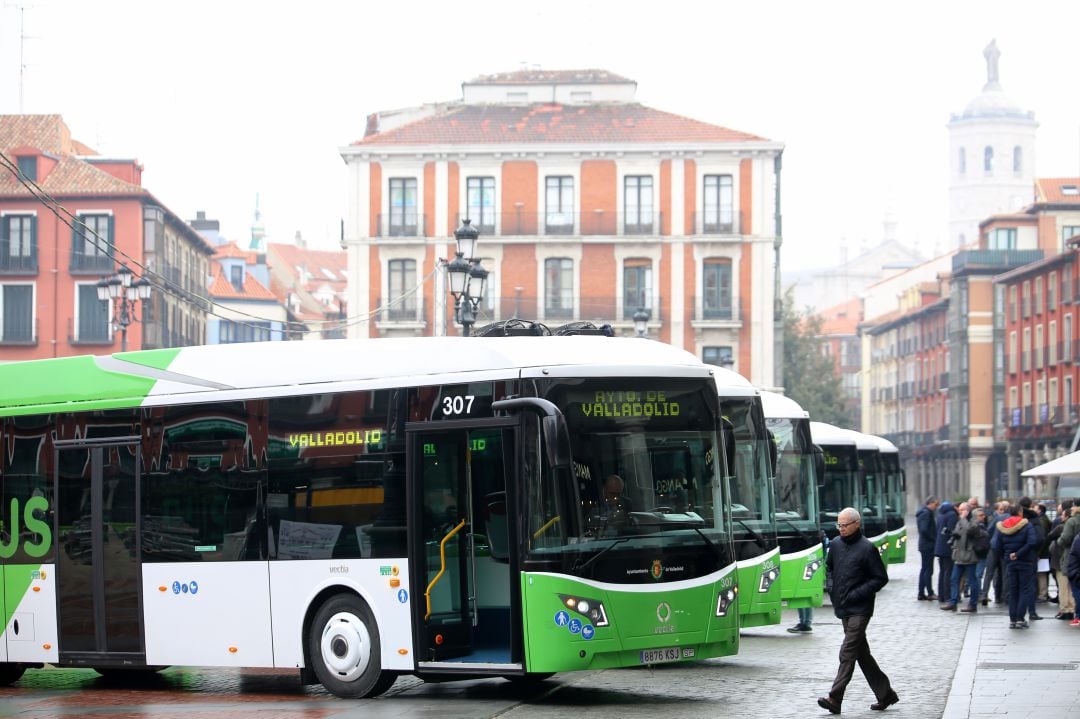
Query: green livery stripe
pixel 17 579
pixel 156 359
pixel 71 384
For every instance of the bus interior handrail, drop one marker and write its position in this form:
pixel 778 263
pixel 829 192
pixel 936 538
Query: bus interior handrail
pixel 442 566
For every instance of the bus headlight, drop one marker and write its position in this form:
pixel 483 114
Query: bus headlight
pixel 725 599
pixel 811 569
pixel 768 576
pixel 591 609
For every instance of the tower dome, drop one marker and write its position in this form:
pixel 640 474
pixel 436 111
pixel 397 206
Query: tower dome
pixel 991 157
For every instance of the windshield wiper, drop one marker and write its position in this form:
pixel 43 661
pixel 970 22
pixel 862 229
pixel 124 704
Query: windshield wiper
pixel 757 537
pixel 711 543
pixel 580 566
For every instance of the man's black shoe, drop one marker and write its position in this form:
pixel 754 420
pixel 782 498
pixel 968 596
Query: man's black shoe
pixel 1067 616
pixel 1035 617
pixel 827 703
pixel 885 703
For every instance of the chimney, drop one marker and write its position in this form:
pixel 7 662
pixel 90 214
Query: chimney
pixel 299 241
pixel 372 125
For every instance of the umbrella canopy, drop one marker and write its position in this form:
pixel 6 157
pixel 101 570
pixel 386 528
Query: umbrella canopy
pixel 1069 464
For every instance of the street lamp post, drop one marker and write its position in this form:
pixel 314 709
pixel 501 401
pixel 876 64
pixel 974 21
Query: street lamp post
pixel 467 277
pixel 122 290
pixel 641 321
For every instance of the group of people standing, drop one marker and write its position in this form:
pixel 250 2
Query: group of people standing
pixel 1002 551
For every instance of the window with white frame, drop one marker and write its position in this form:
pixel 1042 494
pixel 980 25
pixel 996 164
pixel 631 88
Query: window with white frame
pixel 638 204
pixel 716 284
pixel 1002 238
pixel 559 287
pixel 403 216
pixel 637 286
pixel 18 243
pixel 92 243
pixel 17 313
pixel 718 205
pixel 988 160
pixel 92 315
pixel 401 289
pixel 480 203
pixel 559 205
pixel 1067 233
pixel 234 332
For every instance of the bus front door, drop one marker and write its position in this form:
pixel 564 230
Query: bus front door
pixel 461 550
pixel 97 564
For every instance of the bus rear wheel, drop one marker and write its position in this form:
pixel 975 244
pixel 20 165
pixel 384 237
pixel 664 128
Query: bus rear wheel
pixel 344 649
pixel 10 673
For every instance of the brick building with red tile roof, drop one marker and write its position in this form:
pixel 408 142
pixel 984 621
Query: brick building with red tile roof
pixel 590 206
pixel 50 262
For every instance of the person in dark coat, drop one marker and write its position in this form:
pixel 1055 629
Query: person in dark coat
pixel 857 575
pixel 1072 571
pixel 924 520
pixel 1015 541
pixel 946 523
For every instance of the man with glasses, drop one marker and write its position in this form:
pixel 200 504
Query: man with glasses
pixel 857 575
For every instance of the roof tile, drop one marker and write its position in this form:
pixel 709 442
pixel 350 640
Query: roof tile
pixel 547 122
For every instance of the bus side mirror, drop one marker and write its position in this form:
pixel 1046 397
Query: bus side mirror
pixel 903 481
pixel 773 458
pixel 556 441
pixel 727 431
pixel 819 465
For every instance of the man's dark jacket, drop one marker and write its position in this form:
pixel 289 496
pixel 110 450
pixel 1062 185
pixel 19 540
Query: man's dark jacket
pixel 924 519
pixel 857 575
pixel 1072 565
pixel 946 523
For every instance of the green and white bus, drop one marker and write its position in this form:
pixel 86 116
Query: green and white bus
pixel 852 479
pixel 895 488
pixel 359 509
pixel 753 508
pixel 798 473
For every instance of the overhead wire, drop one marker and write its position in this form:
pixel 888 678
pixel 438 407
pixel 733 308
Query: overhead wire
pixel 179 292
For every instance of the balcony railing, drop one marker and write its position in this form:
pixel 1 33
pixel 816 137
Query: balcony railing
pixel 403 310
pixel 21 333
pixel 715 223
pixel 994 259
pixel 942 434
pixel 17 264
pixel 592 223
pixel 408 224
pixel 92 263
pixel 708 309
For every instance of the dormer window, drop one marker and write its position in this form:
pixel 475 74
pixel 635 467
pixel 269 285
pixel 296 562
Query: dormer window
pixel 236 276
pixel 1071 190
pixel 28 167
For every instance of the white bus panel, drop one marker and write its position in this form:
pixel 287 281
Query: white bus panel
pixel 207 614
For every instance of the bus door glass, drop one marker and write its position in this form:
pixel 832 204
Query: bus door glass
pixel 98 574
pixel 461 544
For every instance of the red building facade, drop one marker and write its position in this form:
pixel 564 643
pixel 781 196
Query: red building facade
pixel 53 256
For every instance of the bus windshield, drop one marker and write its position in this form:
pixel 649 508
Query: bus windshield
pixel 796 475
pixel 840 487
pixel 644 500
pixel 751 500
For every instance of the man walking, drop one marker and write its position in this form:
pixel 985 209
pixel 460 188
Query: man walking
pixel 857 575
pixel 924 520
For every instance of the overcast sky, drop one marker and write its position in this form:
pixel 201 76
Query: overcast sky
pixel 223 100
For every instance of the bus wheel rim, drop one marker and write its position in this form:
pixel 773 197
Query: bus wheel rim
pixel 346 646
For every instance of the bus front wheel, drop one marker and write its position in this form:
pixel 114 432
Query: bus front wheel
pixel 10 673
pixel 343 646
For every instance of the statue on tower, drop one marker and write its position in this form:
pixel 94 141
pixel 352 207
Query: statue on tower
pixel 991 53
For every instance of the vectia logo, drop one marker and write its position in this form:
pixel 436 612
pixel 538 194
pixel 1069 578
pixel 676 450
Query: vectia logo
pixel 37 546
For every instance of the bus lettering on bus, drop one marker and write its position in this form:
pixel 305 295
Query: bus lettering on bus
pixel 36 526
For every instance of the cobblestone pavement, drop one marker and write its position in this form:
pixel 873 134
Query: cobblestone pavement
pixel 936 660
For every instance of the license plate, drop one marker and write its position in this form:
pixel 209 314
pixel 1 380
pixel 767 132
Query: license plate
pixel 667 654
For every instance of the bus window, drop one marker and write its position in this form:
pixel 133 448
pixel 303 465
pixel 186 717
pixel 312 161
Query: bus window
pixel 335 491
pixel 201 491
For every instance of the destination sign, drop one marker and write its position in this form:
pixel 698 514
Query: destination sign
pixel 347 438
pixel 631 403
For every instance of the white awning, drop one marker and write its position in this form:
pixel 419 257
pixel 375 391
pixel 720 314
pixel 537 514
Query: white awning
pixel 1069 464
